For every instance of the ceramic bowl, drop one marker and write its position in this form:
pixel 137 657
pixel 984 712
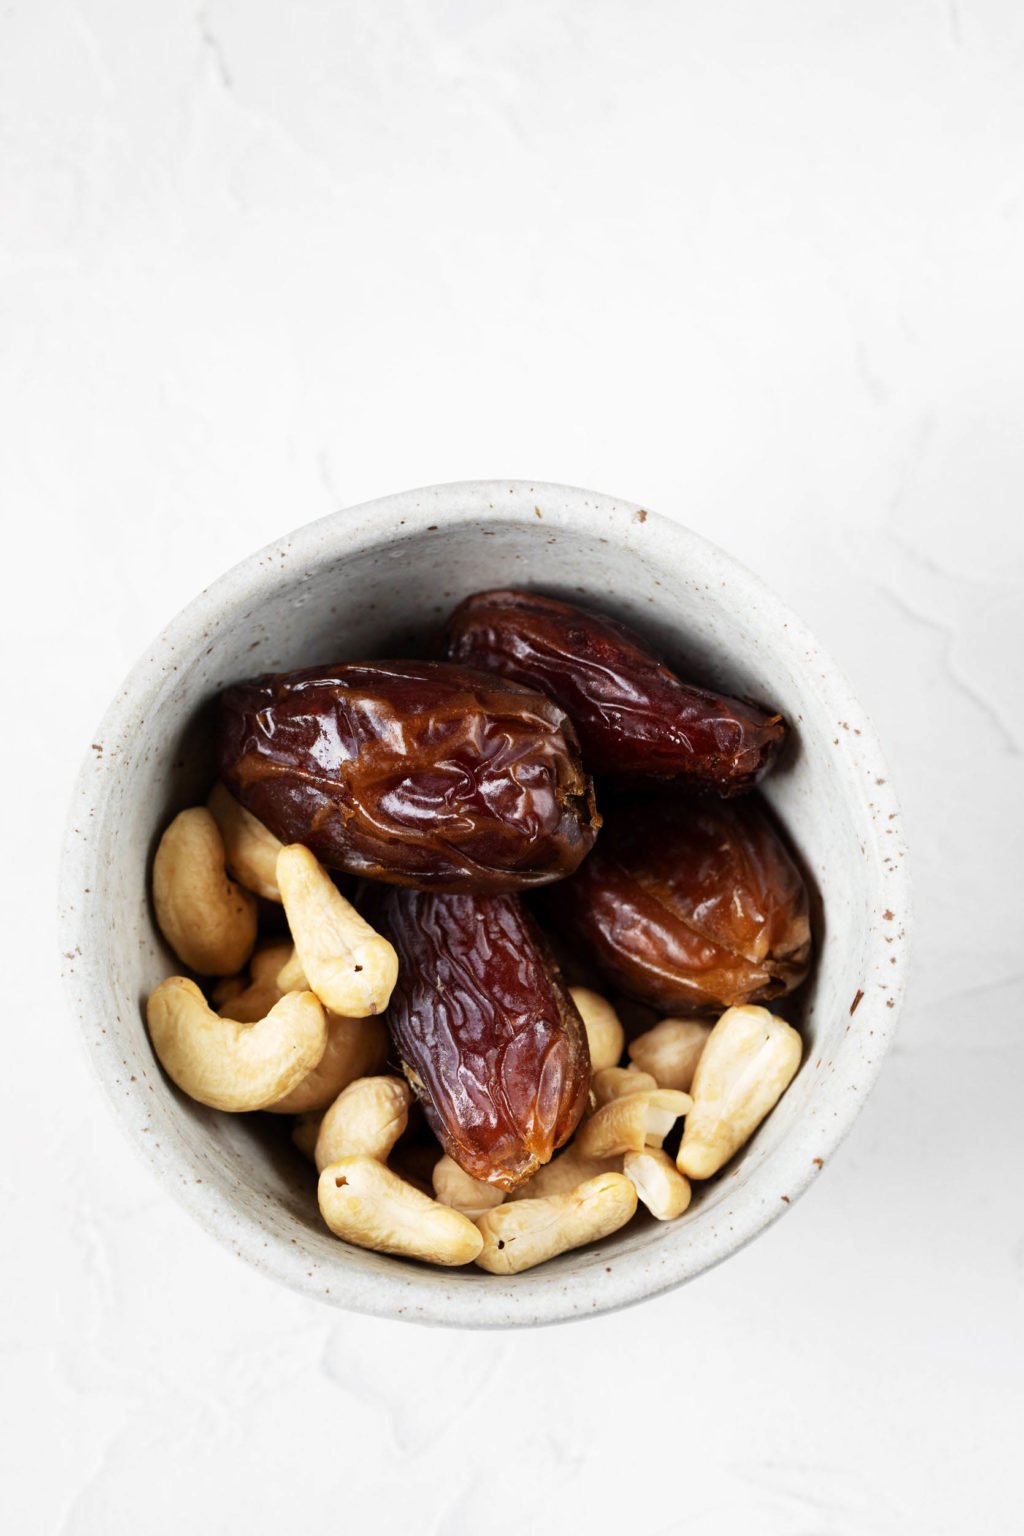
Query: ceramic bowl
pixel 365 583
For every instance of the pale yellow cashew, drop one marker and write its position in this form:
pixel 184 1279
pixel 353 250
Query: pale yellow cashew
pixel 351 968
pixel 208 920
pixel 228 1065
pixel 251 848
pixel 670 1051
pixel 266 963
pixel 750 1059
pixel 291 977
pixel 632 1122
pixel 355 1047
pixel 304 1134
pixel 455 1187
pixel 365 1120
pixel 615 1082
pixel 263 991
pixel 363 1202
pixel 522 1233
pixel 564 1173
pixel 605 1034
pixel 661 1187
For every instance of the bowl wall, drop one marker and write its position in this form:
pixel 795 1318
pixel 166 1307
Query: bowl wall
pixel 372 582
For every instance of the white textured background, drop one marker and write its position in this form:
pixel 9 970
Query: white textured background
pixel 760 266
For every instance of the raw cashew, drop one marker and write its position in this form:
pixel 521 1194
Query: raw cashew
pixel 251 848
pixel 362 1201
pixel 304 1134
pixel 565 1172
pixel 748 1063
pixel 455 1187
pixel 615 1082
pixel 227 989
pixel 351 968
pixel 228 1065
pixel 660 1185
pixel 670 1051
pixel 632 1122
pixel 355 1047
pixel 523 1233
pixel 291 977
pixel 263 991
pixel 605 1034
pixel 365 1120
pixel 208 920
pixel 266 963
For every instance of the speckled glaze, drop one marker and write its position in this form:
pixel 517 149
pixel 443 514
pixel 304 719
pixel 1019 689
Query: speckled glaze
pixel 363 583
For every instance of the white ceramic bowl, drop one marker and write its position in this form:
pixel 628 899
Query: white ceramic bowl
pixel 363 583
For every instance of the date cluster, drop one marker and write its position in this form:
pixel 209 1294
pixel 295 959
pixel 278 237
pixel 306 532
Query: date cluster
pixel 547 773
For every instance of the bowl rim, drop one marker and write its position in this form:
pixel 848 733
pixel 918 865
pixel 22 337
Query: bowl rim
pixel 526 1300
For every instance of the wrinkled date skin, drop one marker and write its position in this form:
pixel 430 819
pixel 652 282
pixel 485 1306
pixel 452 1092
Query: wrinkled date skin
pixel 634 717
pixel 486 1030
pixel 419 773
pixel 692 906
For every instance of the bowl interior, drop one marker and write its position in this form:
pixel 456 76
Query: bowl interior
pixel 375 583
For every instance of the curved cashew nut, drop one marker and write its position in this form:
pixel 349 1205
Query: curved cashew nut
pixel 251 848
pixel 670 1051
pixel 228 1065
pixel 523 1233
pixel 659 1184
pixel 227 989
pixel 455 1187
pixel 355 1047
pixel 304 1134
pixel 351 968
pixel 291 977
pixel 632 1122
pixel 362 1201
pixel 749 1061
pixel 365 1120
pixel 564 1173
pixel 266 963
pixel 208 920
pixel 616 1082
pixel 257 999
pixel 605 1034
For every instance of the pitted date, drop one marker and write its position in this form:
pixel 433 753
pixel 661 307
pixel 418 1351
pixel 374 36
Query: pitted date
pixel 690 906
pixel 484 1025
pixel 635 717
pixel 418 773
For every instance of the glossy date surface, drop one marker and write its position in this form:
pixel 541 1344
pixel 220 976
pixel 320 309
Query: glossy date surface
pixel 635 717
pixel 485 1027
pixel 419 773
pixel 691 906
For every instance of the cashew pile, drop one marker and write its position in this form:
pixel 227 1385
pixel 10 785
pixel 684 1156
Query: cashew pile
pixel 291 1024
pixel 268 1037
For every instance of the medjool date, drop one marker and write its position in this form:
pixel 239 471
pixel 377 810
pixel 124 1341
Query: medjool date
pixel 634 717
pixel 419 773
pixel 486 1030
pixel 690 906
